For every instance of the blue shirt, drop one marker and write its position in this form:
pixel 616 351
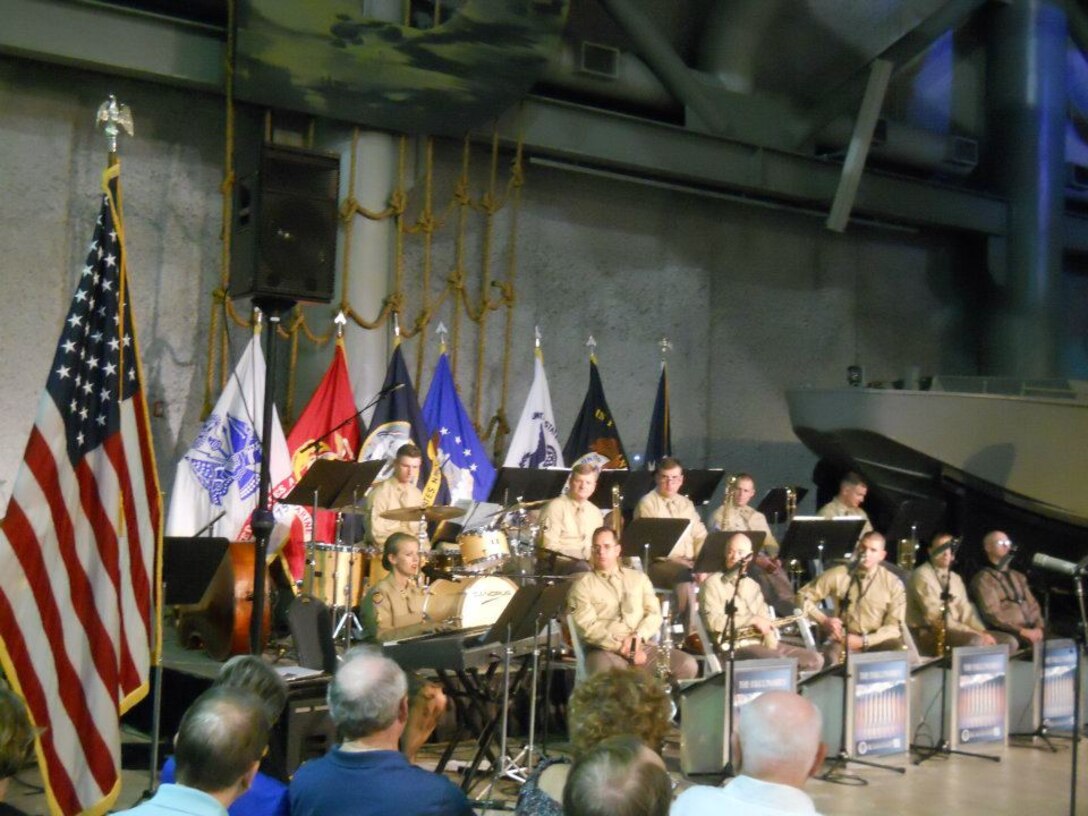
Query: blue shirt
pixel 265 797
pixel 170 800
pixel 372 783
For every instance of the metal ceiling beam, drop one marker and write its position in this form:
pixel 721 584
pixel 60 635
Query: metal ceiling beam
pixel 845 98
pixel 636 147
pixel 106 38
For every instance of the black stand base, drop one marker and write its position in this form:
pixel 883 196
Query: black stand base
pixel 1042 732
pixel 943 749
pixel 835 775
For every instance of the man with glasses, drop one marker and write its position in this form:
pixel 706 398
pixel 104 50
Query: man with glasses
pixel 616 614
pixel 1002 594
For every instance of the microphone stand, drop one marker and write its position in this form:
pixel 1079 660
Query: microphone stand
pixel 731 658
pixel 834 773
pixel 1038 691
pixel 313 443
pixel 1082 646
pixel 942 746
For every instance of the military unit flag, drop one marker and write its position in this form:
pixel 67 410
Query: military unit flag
pixel 535 443
pixel 659 440
pixel 595 437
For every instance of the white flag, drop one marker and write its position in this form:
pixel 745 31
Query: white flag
pixel 535 443
pixel 221 472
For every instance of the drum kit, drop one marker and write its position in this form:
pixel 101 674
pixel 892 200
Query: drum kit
pixel 469 581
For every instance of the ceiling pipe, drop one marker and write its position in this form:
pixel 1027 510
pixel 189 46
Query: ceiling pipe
pixel 735 33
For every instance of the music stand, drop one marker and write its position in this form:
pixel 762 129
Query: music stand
pixel 332 484
pixel 814 538
pixel 188 566
pixel 699 485
pixel 636 485
pixel 711 557
pixel 526 484
pixel 652 538
pixel 774 504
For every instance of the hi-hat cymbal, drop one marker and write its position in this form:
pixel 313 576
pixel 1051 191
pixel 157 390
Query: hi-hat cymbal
pixel 439 512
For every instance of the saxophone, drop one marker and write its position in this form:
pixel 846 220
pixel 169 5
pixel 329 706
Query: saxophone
pixel 791 503
pixel 940 634
pixel 662 666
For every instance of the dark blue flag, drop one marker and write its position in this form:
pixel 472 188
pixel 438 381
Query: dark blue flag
pixel 659 441
pixel 468 472
pixel 595 437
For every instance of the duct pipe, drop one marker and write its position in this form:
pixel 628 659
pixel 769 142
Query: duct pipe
pixel 634 82
pixel 1026 110
pixel 663 60
pixel 735 33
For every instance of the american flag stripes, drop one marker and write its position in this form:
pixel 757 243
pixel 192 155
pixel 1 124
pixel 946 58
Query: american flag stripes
pixel 79 540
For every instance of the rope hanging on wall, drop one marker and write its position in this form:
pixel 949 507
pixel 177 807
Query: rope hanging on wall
pixel 429 222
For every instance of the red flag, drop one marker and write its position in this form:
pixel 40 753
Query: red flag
pixel 331 404
pixel 79 540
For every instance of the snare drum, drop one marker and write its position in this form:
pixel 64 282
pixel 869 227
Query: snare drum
pixel 473 602
pixel 483 550
pixel 328 569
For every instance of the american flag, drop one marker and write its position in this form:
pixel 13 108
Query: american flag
pixel 78 543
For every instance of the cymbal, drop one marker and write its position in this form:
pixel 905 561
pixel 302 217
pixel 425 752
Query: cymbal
pixel 438 512
pixel 526 505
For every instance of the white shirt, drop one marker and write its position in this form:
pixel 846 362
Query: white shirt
pixel 744 796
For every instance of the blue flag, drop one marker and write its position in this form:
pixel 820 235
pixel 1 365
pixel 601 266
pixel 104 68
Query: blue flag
pixel 397 420
pixel 468 472
pixel 659 440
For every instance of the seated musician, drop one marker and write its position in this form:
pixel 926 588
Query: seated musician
pixel 392 609
pixel 674 572
pixel 733 585
pixel 395 493
pixel 925 605
pixel 852 492
pixel 615 613
pixel 567 522
pixel 869 603
pixel 736 514
pixel 1003 596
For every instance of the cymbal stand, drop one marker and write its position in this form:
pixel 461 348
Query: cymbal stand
pixel 834 773
pixel 349 621
pixel 942 746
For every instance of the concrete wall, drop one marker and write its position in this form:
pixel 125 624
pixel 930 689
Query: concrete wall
pixel 755 301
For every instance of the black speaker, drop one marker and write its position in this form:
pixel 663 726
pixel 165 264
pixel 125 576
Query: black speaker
pixel 304 731
pixel 283 244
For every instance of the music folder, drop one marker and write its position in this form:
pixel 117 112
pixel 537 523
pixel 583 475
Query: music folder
pixel 814 537
pixel 711 557
pixel 659 535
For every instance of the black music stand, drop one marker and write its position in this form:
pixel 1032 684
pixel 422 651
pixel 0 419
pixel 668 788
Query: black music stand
pixel 331 484
pixel 526 484
pixel 711 556
pixel 699 485
pixel 812 539
pixel 636 485
pixel 188 566
pixel 775 506
pixel 652 538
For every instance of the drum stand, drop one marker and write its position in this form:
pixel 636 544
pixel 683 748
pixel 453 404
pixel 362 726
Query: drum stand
pixel 508 767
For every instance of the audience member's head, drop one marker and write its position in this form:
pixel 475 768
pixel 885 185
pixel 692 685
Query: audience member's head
pixel 778 739
pixel 368 696
pixel 619 777
pixel 251 673
pixel 618 702
pixel 16 736
pixel 220 742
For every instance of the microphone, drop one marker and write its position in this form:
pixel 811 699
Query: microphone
pixel 1059 565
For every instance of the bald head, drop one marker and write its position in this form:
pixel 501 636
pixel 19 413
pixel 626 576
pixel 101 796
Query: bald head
pixel 779 738
pixel 737 548
pixel 997 545
pixel 366 695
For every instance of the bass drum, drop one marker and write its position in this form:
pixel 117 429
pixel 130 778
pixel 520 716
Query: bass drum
pixel 330 567
pixel 470 603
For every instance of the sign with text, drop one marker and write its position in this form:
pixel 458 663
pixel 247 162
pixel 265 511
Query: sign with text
pixel 980 708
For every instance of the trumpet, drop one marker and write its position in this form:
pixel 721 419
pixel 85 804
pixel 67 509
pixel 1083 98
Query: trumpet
pixel 752 633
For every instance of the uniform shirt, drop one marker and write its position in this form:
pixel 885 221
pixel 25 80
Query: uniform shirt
pixel 924 601
pixel 716 592
pixel 1004 600
pixel 389 494
pixel 607 607
pixel 836 509
pixel 387 609
pixel 877 602
pixel 567 526
pixel 654 505
pixel 732 518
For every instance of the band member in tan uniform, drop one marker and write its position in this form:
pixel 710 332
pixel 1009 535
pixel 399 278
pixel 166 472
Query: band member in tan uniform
pixel 395 493
pixel 567 522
